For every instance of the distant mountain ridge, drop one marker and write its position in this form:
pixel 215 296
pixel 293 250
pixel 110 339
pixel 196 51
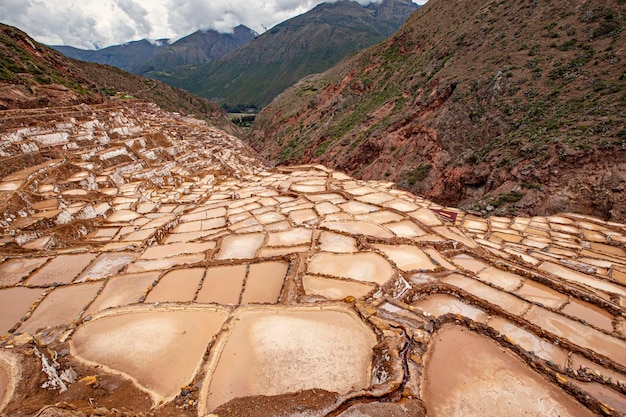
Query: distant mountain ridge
pixel 128 56
pixel 506 107
pixel 313 42
pixel 198 48
pixel 145 55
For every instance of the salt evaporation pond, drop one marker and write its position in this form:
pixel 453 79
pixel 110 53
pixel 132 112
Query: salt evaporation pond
pixel 469 375
pixel 296 348
pixel 160 350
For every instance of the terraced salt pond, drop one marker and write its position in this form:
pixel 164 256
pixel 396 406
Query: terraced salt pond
pixel 270 351
pixel 163 262
pixel 62 269
pixel 61 307
pixel 365 266
pixel 159 350
pixel 16 302
pixel 177 285
pixel 223 284
pixel 543 294
pixel 15 270
pixel 123 290
pixel 264 282
pixel 4 383
pixel 590 313
pixel 442 304
pixel 9 372
pixel 335 289
pixel 486 381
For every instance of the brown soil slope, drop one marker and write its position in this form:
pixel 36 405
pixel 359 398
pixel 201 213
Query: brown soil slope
pixel 498 106
pixel 33 75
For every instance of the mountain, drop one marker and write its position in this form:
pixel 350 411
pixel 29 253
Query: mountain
pixel 313 42
pixel 143 56
pixel 34 75
pixel 198 48
pixel 498 107
pixel 129 56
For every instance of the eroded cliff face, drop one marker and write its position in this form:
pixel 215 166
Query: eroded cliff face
pixel 151 265
pixel 503 108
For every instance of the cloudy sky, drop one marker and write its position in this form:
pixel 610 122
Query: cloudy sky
pixel 92 24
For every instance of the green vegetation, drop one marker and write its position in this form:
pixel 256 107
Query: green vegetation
pixel 469 95
pixel 491 202
pixel 321 148
pixel 240 108
pixel 289 152
pixel 360 112
pixel 532 185
pixel 307 91
pixel 108 91
pixel 506 198
pixel 568 45
pixel 419 173
pixel 243 120
pixel 19 65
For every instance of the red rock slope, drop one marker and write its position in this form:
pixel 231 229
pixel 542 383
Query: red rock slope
pixel 501 107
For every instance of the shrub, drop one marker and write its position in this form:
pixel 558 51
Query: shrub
pixel 419 173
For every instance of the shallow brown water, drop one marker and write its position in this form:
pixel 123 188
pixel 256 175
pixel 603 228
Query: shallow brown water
pixel 123 290
pixel 467 375
pixel 14 270
pixel 62 269
pixel 590 313
pixel 62 306
pixel 543 294
pixel 4 382
pixel 264 283
pixel 14 303
pixel 604 394
pixel 222 284
pixel 161 350
pixel 274 351
pixel 177 285
pixel 335 289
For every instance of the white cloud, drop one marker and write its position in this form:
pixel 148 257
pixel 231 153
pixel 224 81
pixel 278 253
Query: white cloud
pixel 222 15
pixel 89 24
pixel 136 13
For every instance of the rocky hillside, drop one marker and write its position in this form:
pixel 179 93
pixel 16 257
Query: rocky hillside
pixel 150 263
pixel 116 81
pixel 310 43
pixel 500 107
pixel 33 75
